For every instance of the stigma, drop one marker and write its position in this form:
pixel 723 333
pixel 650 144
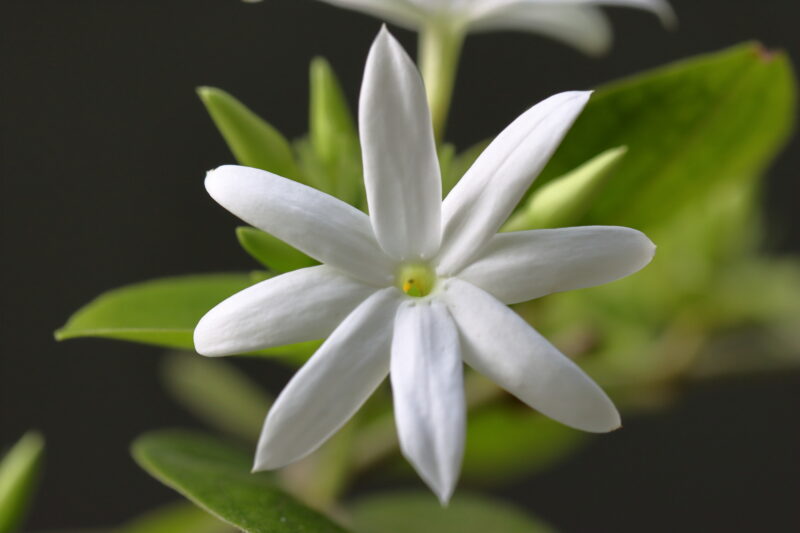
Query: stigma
pixel 416 279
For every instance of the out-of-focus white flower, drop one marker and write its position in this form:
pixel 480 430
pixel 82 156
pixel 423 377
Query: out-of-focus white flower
pixel 418 286
pixel 579 23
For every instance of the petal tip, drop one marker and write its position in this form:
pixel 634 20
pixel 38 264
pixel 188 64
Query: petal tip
pixel 384 36
pixel 445 493
pixel 611 423
pixel 264 461
pixel 206 342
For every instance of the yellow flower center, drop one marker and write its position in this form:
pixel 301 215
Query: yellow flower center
pixel 416 279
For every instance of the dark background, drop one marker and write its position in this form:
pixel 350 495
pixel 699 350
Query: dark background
pixel 104 150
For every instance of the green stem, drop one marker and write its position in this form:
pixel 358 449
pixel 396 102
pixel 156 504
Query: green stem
pixel 440 45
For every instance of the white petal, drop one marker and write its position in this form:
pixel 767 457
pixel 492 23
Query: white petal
pixel 428 391
pixel 400 12
pixel 401 169
pixel 302 305
pixel 496 342
pixel 661 8
pixel 523 265
pixel 482 200
pixel 320 225
pixel 332 385
pixel 583 27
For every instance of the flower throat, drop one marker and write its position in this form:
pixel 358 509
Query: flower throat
pixel 416 279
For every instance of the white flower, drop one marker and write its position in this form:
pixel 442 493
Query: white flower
pixel 420 285
pixel 579 23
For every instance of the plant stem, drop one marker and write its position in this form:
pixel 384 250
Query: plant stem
pixel 440 43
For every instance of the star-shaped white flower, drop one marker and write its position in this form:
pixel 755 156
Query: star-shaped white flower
pixel 420 285
pixel 579 23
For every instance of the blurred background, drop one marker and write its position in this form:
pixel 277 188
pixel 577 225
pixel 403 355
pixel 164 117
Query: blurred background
pixel 105 146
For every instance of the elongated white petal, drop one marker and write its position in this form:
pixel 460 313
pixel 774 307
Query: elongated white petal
pixel 661 8
pixel 428 391
pixel 523 265
pixel 320 225
pixel 332 385
pixel 581 26
pixel 480 203
pixel 401 169
pixel 496 342
pixel 302 305
pixel 401 12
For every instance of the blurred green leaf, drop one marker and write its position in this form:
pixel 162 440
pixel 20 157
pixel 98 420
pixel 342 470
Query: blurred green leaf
pixel 509 441
pixel 175 518
pixel 216 392
pixel 459 165
pixel 164 312
pixel 217 478
pixel 332 133
pixel 272 252
pixel 19 471
pixel 420 512
pixel 253 141
pixel 689 126
pixel 567 199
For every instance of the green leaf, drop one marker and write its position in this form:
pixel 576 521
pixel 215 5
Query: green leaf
pixel 455 169
pixel 688 126
pixel 176 518
pixel 217 478
pixel 506 442
pixel 253 141
pixel 336 161
pixel 216 392
pixel 565 200
pixel 331 124
pixel 19 471
pixel 163 312
pixel 421 513
pixel 272 252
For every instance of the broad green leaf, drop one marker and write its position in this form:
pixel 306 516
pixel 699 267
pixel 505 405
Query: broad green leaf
pixel 176 518
pixel 217 478
pixel 270 251
pixel 253 141
pixel 19 471
pixel 565 200
pixel 688 126
pixel 420 512
pixel 217 392
pixel 509 441
pixel 164 312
